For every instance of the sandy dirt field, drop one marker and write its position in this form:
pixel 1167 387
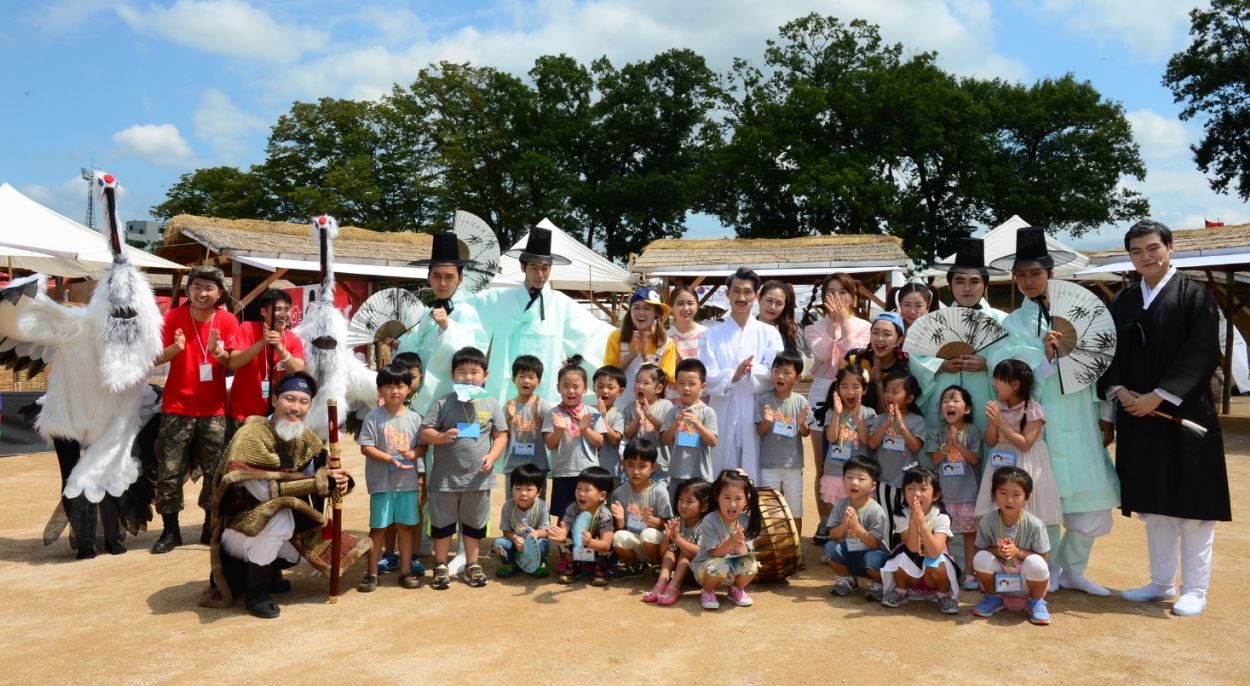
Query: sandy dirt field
pixel 133 618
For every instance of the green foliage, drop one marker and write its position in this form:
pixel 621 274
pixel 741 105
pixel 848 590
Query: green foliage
pixel 1212 78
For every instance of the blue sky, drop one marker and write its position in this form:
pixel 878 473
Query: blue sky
pixel 152 90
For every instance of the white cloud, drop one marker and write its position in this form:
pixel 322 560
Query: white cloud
pixel 220 123
pixel 59 17
pixel 68 198
pixel 1150 29
pixel 228 27
pixel 1161 138
pixel 156 143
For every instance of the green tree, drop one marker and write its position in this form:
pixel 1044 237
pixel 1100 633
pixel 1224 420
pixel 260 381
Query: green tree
pixel 1212 78
pixel 216 192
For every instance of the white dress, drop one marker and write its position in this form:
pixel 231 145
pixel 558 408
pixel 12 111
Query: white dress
pixel 1044 502
pixel 722 349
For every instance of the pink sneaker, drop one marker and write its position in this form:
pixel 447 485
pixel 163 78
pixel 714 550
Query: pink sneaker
pixel 708 600
pixel 669 596
pixel 739 597
pixel 655 593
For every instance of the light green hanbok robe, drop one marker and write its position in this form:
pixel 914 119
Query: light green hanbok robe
pixel 437 346
pixel 980 385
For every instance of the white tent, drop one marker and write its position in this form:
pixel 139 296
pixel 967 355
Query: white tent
pixel 1001 241
pixel 589 271
pixel 34 238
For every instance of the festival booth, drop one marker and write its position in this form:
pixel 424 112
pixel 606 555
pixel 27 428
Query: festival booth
pixel 807 260
pixel 1219 258
pixel 591 278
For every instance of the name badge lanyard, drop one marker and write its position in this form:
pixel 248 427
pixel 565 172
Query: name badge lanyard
pixel 846 430
pixel 646 496
pixel 523 524
pixel 929 520
pixel 953 454
pixel 1002 533
pixel 203 349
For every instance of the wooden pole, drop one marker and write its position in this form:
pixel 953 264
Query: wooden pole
pixel 236 284
pixel 1228 342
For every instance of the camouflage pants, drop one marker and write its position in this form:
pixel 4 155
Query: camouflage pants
pixel 232 427
pixel 187 446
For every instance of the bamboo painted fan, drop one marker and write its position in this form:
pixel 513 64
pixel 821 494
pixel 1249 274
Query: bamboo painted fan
pixel 951 332
pixel 483 250
pixel 1088 342
pixel 389 313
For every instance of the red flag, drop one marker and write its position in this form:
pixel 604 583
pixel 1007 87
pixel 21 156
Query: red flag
pixel 1212 225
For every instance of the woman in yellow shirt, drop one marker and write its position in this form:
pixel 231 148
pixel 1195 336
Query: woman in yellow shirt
pixel 642 338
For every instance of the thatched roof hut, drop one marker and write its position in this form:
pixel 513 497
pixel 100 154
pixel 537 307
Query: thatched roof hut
pixel 796 256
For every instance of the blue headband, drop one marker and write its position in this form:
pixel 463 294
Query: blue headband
pixel 295 383
pixel 893 317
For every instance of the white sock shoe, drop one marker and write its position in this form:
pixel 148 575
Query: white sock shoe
pixel 1149 593
pixel 1080 582
pixel 1189 604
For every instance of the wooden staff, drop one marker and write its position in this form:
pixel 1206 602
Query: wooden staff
pixel 336 521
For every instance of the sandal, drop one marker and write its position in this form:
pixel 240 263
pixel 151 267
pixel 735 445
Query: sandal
pixel 669 596
pixel 367 584
pixel 600 579
pixel 565 573
pixel 474 576
pixel 442 578
pixel 655 593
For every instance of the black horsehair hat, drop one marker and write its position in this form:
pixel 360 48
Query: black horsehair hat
pixel 969 257
pixel 447 249
pixel 1032 252
pixel 538 249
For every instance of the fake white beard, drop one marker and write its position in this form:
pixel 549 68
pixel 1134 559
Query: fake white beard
pixel 286 430
pixel 127 346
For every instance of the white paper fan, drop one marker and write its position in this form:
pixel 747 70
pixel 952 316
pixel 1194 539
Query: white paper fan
pixel 389 313
pixel 1088 343
pixel 483 250
pixel 951 332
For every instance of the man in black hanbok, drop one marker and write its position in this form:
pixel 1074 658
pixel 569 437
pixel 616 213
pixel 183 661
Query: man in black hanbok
pixel 1173 478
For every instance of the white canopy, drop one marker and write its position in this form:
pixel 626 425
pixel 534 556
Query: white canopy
pixel 1001 241
pixel 35 238
pixel 589 270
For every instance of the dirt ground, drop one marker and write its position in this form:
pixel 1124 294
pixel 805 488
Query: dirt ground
pixel 133 618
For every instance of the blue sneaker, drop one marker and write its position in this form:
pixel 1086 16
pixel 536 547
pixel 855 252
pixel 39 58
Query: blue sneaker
pixel 1039 614
pixel 388 563
pixel 418 569
pixel 989 604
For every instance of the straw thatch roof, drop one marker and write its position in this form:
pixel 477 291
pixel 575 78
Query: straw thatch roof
pixel 290 241
pixel 1221 238
pixel 764 253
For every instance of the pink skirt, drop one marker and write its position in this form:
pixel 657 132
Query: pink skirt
pixel 832 489
pixel 964 519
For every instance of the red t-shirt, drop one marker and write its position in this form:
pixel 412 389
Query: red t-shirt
pixel 245 396
pixel 185 394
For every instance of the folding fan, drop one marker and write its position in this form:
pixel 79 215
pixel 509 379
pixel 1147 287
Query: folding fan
pixel 386 314
pixel 951 332
pixel 483 250
pixel 1088 342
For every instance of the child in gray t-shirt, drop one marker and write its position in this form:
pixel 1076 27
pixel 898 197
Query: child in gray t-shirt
pixel 857 531
pixel 955 448
pixel 644 418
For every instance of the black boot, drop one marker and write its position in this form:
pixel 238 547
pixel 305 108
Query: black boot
pixel 256 598
pixel 278 584
pixel 110 520
pixel 206 534
pixel 82 521
pixel 171 536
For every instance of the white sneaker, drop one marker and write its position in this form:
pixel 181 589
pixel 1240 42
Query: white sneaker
pixel 845 585
pixel 1080 582
pixel 1148 593
pixel 1189 604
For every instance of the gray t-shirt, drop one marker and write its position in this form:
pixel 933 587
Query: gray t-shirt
pixel 389 434
pixel 891 459
pixel 848 445
pixel 941 521
pixel 654 497
pixel 602 522
pixel 777 449
pixel 713 532
pixel 696 460
pixel 525 437
pixel 956 488
pixel 659 410
pixel 574 453
pixel 1028 534
pixel 872 516
pixel 457 465
pixel 610 453
pixel 513 518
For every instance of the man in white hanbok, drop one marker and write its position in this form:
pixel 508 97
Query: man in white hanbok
pixel 738 354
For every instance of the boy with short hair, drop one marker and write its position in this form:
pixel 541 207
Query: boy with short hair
pixel 690 427
pixel 387 440
pixel 468 437
pixel 609 383
pixel 857 530
pixel 525 513
pixel 411 362
pixel 781 423
pixel 595 544
pixel 525 415
pixel 639 509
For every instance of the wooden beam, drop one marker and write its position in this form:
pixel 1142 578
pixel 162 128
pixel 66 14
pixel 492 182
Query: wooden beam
pixel 706 296
pixel 871 296
pixel 698 281
pixel 174 287
pixel 255 292
pixel 590 295
pixel 236 284
pixel 1228 344
pixel 1103 287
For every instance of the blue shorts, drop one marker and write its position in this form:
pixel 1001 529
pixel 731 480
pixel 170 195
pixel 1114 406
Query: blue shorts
pixel 394 507
pixel 857 561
